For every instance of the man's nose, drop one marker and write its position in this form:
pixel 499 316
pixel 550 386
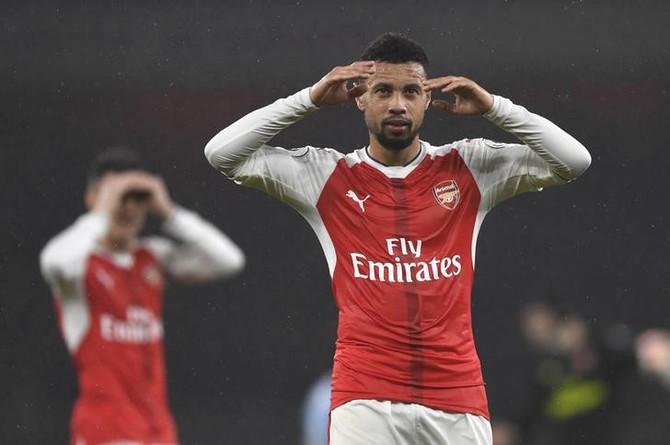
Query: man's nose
pixel 132 206
pixel 397 104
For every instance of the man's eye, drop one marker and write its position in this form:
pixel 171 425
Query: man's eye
pixel 383 90
pixel 412 91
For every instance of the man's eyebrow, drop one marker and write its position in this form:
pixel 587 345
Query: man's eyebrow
pixel 381 84
pixel 390 84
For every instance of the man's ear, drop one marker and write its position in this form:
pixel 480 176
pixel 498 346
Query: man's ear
pixel 429 99
pixel 89 198
pixel 360 102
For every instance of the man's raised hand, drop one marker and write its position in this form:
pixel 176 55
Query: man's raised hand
pixel 113 187
pixel 469 98
pixel 160 203
pixel 334 88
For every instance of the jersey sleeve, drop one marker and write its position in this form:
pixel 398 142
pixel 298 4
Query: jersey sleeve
pixel 63 259
pixel 294 176
pixel 63 263
pixel 203 252
pixel 546 157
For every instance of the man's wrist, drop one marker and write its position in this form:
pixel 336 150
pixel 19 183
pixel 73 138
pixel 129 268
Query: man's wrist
pixel 493 112
pixel 305 98
pixel 181 223
pixel 169 213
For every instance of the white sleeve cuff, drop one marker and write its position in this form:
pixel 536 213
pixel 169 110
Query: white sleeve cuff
pixel 499 110
pixel 180 222
pixel 305 99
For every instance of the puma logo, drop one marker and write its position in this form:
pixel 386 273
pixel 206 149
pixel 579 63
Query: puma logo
pixel 352 195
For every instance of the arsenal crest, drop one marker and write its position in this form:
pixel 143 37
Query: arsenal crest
pixel 447 194
pixel 152 276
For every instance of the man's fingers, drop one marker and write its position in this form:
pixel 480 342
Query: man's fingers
pixel 455 85
pixel 363 67
pixel 364 64
pixel 128 175
pixel 349 73
pixel 357 90
pixel 442 105
pixel 438 82
pixel 342 83
pixel 343 77
pixel 356 69
pixel 121 180
pixel 137 181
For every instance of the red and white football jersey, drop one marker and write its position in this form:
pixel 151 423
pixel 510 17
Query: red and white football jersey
pixel 109 307
pixel 120 362
pixel 400 241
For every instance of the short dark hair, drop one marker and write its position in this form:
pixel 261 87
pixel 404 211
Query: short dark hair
pixel 395 48
pixel 114 160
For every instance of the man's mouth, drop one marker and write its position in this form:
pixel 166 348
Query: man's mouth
pixel 126 220
pixel 396 125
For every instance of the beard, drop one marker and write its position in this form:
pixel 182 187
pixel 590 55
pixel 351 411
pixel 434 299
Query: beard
pixel 396 142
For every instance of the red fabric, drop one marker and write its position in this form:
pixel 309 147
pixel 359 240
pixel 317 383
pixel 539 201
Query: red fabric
pixel 120 362
pixel 405 341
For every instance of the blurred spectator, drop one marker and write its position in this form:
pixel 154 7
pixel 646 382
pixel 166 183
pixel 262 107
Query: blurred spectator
pixel 581 382
pixel 504 432
pixel 641 410
pixel 316 411
pixel 653 354
pixel 569 387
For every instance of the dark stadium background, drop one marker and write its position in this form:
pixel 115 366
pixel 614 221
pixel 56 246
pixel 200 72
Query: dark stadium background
pixel 164 77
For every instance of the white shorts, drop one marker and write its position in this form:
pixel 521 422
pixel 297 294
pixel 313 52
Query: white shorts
pixel 368 422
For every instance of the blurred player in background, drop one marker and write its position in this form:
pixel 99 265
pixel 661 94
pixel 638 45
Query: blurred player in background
pixel 591 385
pixel 315 412
pixel 108 288
pixel 398 222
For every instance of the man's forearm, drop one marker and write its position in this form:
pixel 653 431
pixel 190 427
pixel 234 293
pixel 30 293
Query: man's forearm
pixel 223 256
pixel 567 157
pixel 235 143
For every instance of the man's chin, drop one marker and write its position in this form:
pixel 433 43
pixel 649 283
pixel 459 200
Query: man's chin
pixel 395 143
pixel 398 146
pixel 125 233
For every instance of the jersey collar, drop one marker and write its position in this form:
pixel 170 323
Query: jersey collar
pixel 394 171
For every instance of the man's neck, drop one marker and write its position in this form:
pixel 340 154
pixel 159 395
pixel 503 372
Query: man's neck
pixel 116 246
pixel 393 158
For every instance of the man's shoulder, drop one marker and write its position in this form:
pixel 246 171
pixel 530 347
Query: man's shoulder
pixel 156 248
pixel 327 155
pixel 459 146
pixel 445 149
pixel 466 148
pixel 299 152
pixel 354 157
